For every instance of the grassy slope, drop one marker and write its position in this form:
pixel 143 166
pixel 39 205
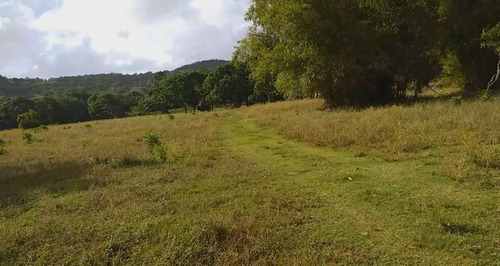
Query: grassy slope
pixel 239 189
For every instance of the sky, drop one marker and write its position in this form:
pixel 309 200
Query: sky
pixel 54 38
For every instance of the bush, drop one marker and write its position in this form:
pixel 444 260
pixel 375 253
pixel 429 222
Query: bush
pixel 155 147
pixel 457 100
pixel 160 154
pixel 28 120
pixel 152 140
pixel 2 146
pixel 40 128
pixel 484 95
pixel 27 138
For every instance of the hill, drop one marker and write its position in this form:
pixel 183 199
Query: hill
pixel 90 83
pixel 280 184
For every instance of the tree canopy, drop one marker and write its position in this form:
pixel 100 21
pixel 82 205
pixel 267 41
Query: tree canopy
pixel 363 52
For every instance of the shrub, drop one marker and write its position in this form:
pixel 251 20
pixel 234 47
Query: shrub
pixel 152 140
pixel 2 146
pixel 484 95
pixel 28 120
pixel 40 128
pixel 27 138
pixel 160 154
pixel 155 147
pixel 457 100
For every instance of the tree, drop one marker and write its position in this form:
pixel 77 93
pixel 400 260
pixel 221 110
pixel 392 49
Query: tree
pixel 181 90
pixel 491 40
pixel 107 106
pixel 28 120
pixel 350 52
pixel 228 85
pixel 463 23
pixel 11 108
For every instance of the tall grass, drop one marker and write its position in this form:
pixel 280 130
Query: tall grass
pixel 466 136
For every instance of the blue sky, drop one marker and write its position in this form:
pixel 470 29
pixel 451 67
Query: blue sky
pixel 52 38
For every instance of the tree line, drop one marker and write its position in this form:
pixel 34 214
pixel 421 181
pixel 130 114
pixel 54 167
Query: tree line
pixel 188 90
pixel 366 52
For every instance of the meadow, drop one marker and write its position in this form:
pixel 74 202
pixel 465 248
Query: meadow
pixel 286 183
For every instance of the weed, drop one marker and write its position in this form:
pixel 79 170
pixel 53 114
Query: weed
pixel 484 95
pixel 160 153
pixel 155 147
pixel 40 128
pixel 27 138
pixel 152 140
pixel 171 116
pixel 456 100
pixel 2 146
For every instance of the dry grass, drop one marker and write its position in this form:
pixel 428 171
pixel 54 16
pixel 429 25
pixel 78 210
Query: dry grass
pixel 467 137
pixel 236 192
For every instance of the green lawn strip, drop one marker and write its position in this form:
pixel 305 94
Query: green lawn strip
pixel 398 211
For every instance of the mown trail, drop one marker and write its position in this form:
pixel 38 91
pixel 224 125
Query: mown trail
pixel 365 209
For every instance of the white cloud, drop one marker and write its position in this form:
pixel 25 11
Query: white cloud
pixel 118 35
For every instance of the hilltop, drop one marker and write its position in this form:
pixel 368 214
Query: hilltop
pixel 28 87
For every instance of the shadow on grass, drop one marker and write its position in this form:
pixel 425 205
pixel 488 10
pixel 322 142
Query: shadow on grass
pixel 23 186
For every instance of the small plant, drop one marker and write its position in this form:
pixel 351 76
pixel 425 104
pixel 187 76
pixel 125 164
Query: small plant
pixel 171 116
pixel 155 147
pixel 152 140
pixel 484 95
pixel 27 138
pixel 40 128
pixel 88 125
pixel 2 146
pixel 456 100
pixel 160 154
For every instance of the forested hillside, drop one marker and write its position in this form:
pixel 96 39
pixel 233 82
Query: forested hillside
pixel 29 87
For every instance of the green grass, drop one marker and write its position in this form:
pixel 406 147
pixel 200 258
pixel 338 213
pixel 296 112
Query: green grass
pixel 239 188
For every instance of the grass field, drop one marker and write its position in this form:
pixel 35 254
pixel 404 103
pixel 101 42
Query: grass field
pixel 284 183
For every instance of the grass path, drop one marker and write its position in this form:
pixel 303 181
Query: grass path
pixel 232 193
pixel 364 209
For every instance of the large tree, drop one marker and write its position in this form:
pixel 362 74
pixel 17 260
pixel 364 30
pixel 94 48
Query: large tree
pixel 228 84
pixel 463 23
pixel 181 90
pixel 351 52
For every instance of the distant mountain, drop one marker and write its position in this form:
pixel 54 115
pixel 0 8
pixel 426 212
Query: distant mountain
pixel 28 87
pixel 208 64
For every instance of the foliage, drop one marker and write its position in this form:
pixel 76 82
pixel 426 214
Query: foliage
pixel 178 91
pixel 11 108
pixel 27 137
pixel 90 83
pixel 368 52
pixel 28 120
pixel 463 24
pixel 152 140
pixel 484 95
pixel 112 105
pixel 228 84
pixel 351 52
pixel 491 40
pixel 2 146
pixel 456 100
pixel 155 147
pixel 160 153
